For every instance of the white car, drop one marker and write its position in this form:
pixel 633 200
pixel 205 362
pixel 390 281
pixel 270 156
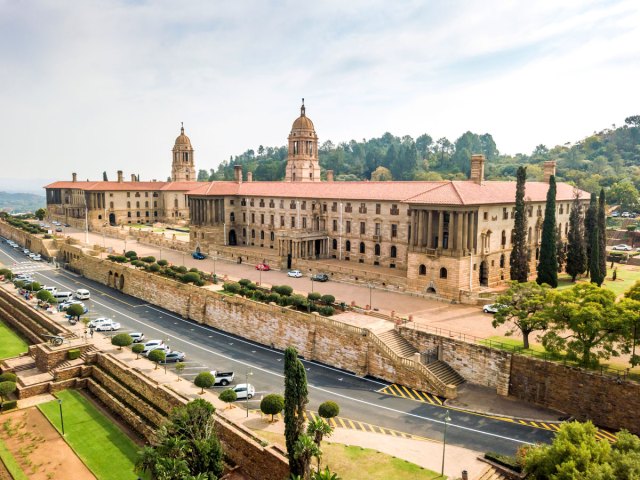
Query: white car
pixel 138 337
pixel 26 251
pixel 492 308
pixel 36 257
pixel 150 345
pixel 98 321
pixel 623 247
pixel 145 353
pixel 244 390
pixel 82 294
pixel 109 326
pixel 294 273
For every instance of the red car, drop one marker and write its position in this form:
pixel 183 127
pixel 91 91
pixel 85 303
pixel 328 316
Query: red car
pixel 263 266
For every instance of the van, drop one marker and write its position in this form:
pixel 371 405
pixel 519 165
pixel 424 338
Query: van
pixel 63 296
pixel 82 294
pixel 51 290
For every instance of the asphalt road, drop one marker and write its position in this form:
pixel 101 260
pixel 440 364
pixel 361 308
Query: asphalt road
pixel 207 349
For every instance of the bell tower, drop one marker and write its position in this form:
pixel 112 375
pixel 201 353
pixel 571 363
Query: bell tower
pixel 183 169
pixel 302 160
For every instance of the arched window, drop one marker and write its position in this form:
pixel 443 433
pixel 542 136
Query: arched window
pixel 422 270
pixel 394 252
pixel 504 238
pixel 502 261
pixel 377 250
pixel 334 244
pixel 362 247
pixel 347 246
pixel 273 236
pixel 443 272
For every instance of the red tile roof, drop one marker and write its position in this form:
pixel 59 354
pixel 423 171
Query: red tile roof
pixel 125 186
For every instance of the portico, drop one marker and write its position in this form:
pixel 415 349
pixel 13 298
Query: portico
pixel 438 231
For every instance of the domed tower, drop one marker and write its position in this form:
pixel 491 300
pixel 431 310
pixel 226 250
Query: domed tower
pixel 302 161
pixel 183 169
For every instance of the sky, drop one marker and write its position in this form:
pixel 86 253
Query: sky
pixel 89 86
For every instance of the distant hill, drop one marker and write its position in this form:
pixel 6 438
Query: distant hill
pixel 21 202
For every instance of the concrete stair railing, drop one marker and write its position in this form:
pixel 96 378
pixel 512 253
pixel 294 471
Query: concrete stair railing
pixel 446 373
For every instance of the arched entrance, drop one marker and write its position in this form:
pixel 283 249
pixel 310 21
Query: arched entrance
pixel 232 237
pixel 112 219
pixel 484 274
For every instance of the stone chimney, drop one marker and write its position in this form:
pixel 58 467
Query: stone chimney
pixel 120 179
pixel 133 177
pixel 477 169
pixel 549 168
pixel 249 177
pixel 237 173
pixel 329 175
pixel 74 177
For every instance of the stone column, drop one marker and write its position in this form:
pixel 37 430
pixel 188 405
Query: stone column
pixel 416 224
pixel 458 231
pixel 475 232
pixel 429 226
pixel 440 243
pixel 465 228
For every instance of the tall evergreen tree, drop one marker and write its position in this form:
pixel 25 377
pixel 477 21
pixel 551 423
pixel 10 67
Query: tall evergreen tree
pixel 576 253
pixel 589 225
pixel 561 250
pixel 295 400
pixel 548 264
pixel 595 271
pixel 602 232
pixel 519 259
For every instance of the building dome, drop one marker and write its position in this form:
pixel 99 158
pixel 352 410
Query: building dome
pixel 182 139
pixel 302 122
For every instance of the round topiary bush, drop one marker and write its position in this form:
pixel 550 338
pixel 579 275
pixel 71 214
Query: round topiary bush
pixel 313 296
pixel 244 282
pixel 258 295
pixel 272 404
pixel 156 356
pixel 231 287
pixel 204 380
pixel 8 377
pixel 154 267
pixel 163 263
pixel 285 290
pixel 7 388
pixel 298 300
pixel 272 297
pixel 328 299
pixel 228 396
pixel 182 269
pixel 329 409
pixel 190 277
pixel 148 259
pixel 200 283
pixel 121 340
pixel 131 254
pixel 326 310
pixel 137 348
pixel 194 269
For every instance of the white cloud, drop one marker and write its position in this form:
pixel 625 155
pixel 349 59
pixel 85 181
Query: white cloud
pixel 93 86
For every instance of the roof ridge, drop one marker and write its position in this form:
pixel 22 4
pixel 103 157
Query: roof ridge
pixel 435 187
pixel 455 188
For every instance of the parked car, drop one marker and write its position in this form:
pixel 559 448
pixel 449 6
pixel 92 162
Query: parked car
pixel 625 214
pixel 64 306
pixel 244 390
pixel 26 251
pixel 320 277
pixel 51 290
pixel 97 321
pixel 108 326
pixel 82 294
pixel 294 273
pixel 174 356
pixel 198 255
pixel 223 378
pixel 137 337
pixel 615 214
pixel 263 266
pixel 150 345
pixel 36 257
pixel 58 229
pixel 145 353
pixel 23 277
pixel 492 308
pixel 623 247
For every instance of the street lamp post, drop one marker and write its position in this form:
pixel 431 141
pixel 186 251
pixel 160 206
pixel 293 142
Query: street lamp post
pixel 247 396
pixel 370 303
pixel 447 419
pixel 312 284
pixel 260 277
pixel 61 417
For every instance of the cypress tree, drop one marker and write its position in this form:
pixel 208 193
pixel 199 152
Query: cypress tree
pixel 594 260
pixel 561 250
pixel 295 400
pixel 602 233
pixel 519 261
pixel 576 253
pixel 548 264
pixel 589 225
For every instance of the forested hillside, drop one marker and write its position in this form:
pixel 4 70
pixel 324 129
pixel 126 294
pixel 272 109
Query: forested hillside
pixel 21 202
pixel 609 158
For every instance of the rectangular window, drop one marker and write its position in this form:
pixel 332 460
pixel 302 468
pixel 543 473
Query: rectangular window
pixel 334 207
pixel 304 205
pixel 378 209
pixel 394 230
pixel 231 202
pixel 335 225
pixel 282 221
pixel 293 222
pixel 262 219
pixel 485 215
pixel 128 194
pixel 304 222
pixel 377 229
pixel 253 218
pixel 394 209
pixel 272 223
pixel 505 214
pixel 348 226
pixel 363 228
pixel 244 217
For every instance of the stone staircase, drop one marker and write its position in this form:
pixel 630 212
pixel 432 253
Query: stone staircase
pixel 491 473
pixel 445 373
pixel 397 343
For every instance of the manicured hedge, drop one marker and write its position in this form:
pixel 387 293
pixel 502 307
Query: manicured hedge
pixel 73 354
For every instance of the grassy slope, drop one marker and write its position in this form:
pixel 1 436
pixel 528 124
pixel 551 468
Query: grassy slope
pixel 11 464
pixel 108 452
pixel 11 344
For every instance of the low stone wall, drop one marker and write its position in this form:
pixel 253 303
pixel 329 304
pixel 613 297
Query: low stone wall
pixel 476 363
pixel 49 387
pixel 605 400
pixel 35 243
pixel 28 321
pixel 48 357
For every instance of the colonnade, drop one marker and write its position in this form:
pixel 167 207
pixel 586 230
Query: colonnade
pixel 206 211
pixel 444 229
pixel 302 248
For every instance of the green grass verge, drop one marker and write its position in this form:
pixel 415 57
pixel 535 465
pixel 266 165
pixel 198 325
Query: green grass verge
pixel 626 277
pixel 105 449
pixel 10 462
pixel 11 344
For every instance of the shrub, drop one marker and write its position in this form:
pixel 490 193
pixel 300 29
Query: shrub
pixel 328 409
pixel 194 269
pixel 251 286
pixel 19 284
pixel 272 297
pixel 504 460
pixel 228 396
pixel 298 300
pixel 131 254
pixel 328 299
pixel 284 290
pixel 156 356
pixel 244 282
pixel 272 404
pixel 182 269
pixel 121 340
pixel 33 287
pixel 137 348
pixel 169 273
pixel 154 267
pixel 44 296
pixel 190 277
pixel 75 310
pixel 47 236
pixel 73 354
pixel 9 405
pixel 326 310
pixel 117 258
pixel 231 287
pixel 8 377
pixel 163 263
pixel 138 263
pixel 258 295
pixel 313 296
pixel 204 380
pixel 148 259
pixel 8 274
pixel 200 283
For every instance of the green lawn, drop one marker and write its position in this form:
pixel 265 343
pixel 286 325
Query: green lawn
pixel 108 452
pixel 626 277
pixel 10 462
pixel 11 344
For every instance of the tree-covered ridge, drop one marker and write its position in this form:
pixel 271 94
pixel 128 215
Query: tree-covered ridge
pixel 609 158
